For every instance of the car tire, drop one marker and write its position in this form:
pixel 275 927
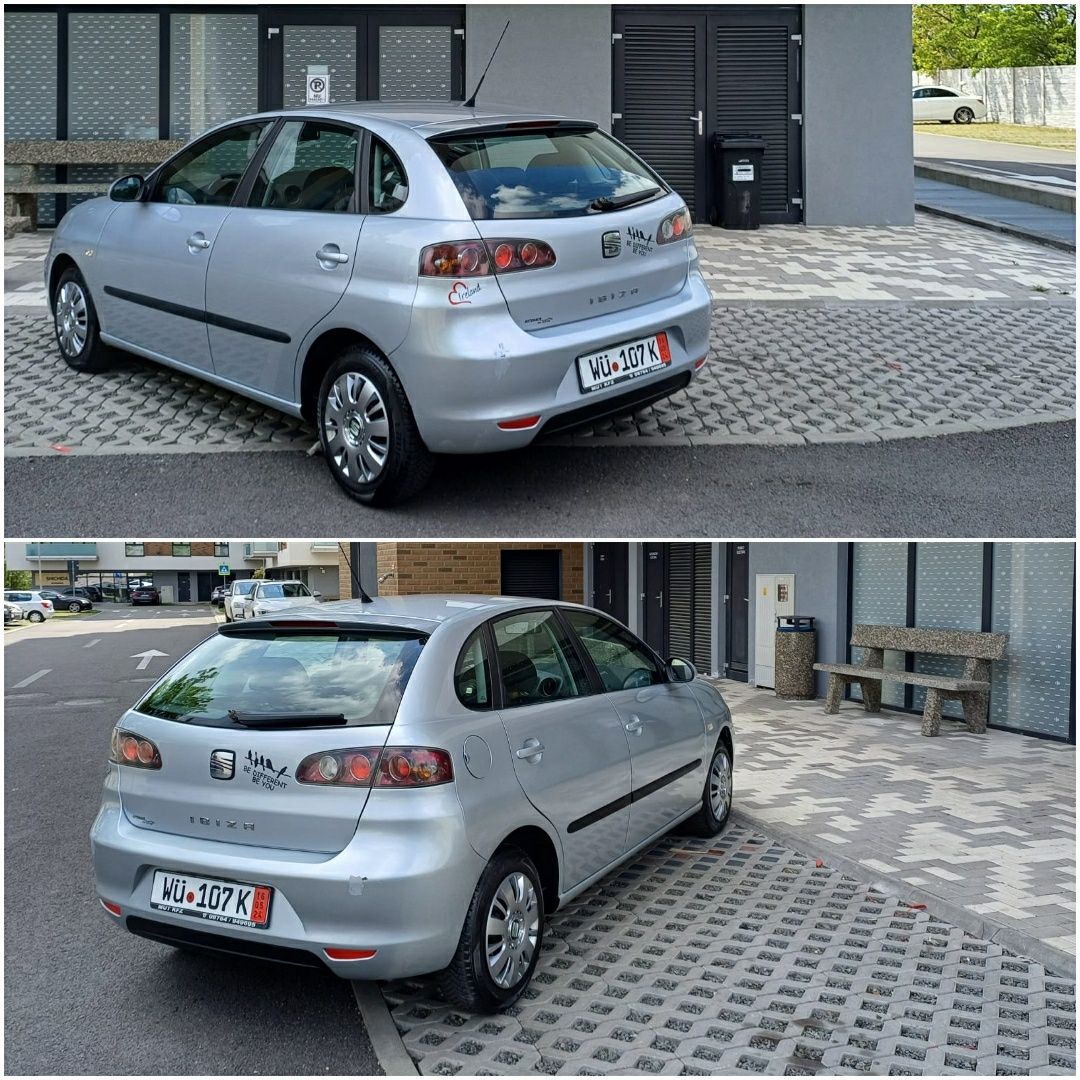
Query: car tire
pixel 963 115
pixel 75 325
pixel 363 415
pixel 75 606
pixel 470 979
pixel 715 796
pixel 35 616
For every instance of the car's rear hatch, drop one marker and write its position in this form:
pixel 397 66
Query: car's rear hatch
pixel 221 780
pixel 567 185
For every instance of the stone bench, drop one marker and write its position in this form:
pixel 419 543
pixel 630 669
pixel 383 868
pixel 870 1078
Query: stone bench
pixel 972 688
pixel 24 161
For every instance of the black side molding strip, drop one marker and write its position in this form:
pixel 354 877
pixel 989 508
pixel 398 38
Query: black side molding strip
pixel 197 315
pixel 626 800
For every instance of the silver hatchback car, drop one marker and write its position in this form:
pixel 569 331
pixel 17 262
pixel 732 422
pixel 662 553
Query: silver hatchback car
pixel 402 786
pixel 411 278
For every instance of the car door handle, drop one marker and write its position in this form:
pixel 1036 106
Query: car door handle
pixel 197 242
pixel 633 725
pixel 531 751
pixel 330 255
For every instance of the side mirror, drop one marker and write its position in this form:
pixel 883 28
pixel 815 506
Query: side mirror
pixel 127 188
pixel 316 595
pixel 680 670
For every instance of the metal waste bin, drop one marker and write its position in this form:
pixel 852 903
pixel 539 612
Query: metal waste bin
pixel 738 157
pixel 796 651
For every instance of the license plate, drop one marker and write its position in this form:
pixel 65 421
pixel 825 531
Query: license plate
pixel 209 898
pixel 620 363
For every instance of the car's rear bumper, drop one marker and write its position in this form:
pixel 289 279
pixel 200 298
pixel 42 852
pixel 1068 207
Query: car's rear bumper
pixel 465 372
pixel 401 886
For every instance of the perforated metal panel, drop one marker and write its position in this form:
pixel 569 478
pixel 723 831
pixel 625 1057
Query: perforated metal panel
pixel 213 71
pixel 112 75
pixel 334 46
pixel 414 62
pixel 1033 604
pixel 879 596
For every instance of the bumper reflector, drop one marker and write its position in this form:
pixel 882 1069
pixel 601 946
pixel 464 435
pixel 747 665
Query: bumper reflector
pixel 699 364
pixel 520 424
pixel 350 954
pixel 112 909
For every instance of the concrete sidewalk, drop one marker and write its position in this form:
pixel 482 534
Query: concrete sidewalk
pixel 979 827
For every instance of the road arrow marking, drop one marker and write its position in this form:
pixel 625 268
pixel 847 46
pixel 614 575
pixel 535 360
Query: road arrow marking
pixel 144 659
pixel 31 678
pixel 91 644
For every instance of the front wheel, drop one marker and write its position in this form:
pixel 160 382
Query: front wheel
pixel 500 941
pixel 716 796
pixel 76 325
pixel 369 437
pixel 75 607
pixel 963 115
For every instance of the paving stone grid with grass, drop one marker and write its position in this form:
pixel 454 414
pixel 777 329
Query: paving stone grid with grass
pixel 741 955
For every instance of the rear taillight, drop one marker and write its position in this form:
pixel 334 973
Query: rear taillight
pixel 677 226
pixel 46 603
pixel 130 749
pixel 476 258
pixel 375 766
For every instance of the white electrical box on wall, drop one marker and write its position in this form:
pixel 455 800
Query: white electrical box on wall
pixel 774 596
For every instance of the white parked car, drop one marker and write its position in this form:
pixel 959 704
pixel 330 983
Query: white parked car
pixel 12 613
pixel 945 105
pixel 34 606
pixel 237 593
pixel 269 597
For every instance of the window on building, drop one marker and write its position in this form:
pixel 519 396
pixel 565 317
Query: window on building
pixel 221 549
pixel 415 63
pixel 181 550
pixel 133 551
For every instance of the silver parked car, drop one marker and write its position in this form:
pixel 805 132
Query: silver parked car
pixel 34 606
pixel 237 593
pixel 411 278
pixel 402 786
pixel 270 596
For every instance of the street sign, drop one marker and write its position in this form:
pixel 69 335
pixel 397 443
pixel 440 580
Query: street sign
pixel 223 569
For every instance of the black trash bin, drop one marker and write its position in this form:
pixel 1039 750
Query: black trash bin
pixel 796 651
pixel 738 157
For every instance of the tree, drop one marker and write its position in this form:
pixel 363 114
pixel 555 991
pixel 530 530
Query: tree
pixel 992 35
pixel 18 579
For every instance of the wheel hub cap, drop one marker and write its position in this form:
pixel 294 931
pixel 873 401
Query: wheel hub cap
pixel 356 427
pixel 720 785
pixel 513 930
pixel 71 318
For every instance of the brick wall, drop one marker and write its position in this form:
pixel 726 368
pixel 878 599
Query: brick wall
pixel 459 568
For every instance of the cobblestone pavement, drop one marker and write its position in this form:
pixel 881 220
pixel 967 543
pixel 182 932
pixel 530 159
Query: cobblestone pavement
pixel 776 376
pixel 740 955
pixel 986 823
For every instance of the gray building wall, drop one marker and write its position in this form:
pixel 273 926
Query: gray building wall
pixel 554 57
pixel 820 590
pixel 857 130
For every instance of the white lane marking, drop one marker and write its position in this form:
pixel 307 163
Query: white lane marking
pixel 144 658
pixel 31 678
pixel 91 644
pixel 1039 178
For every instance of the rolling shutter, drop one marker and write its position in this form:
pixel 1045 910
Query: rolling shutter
pixel 690 603
pixel 751 94
pixel 702 655
pixel 658 100
pixel 532 573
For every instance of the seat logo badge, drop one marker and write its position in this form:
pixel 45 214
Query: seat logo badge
pixel 611 244
pixel 223 764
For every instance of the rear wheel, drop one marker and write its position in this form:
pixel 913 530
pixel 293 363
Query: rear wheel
pixel 500 941
pixel 76 325
pixel 963 115
pixel 369 437
pixel 36 616
pixel 716 797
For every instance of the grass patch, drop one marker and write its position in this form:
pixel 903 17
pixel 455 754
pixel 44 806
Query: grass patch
pixel 75 614
pixel 1023 134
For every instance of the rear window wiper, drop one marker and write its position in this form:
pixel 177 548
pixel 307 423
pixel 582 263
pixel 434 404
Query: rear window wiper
pixel 607 203
pixel 270 720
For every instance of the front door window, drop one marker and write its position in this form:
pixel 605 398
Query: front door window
pixel 208 173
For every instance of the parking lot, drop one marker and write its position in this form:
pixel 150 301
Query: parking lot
pixel 745 954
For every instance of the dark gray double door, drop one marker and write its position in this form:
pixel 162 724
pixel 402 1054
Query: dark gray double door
pixel 682 74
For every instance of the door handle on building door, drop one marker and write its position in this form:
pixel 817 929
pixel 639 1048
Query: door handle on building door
pixel 698 118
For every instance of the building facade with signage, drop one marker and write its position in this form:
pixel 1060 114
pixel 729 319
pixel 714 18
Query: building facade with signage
pixel 826 85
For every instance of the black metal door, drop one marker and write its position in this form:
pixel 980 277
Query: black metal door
pixel 655 589
pixel 658 95
pixel 205 584
pixel 738 611
pixel 183 586
pixel 610 565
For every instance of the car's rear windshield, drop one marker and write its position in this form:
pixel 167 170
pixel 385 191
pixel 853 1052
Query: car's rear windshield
pixel 242 588
pixel 286 590
pixel 272 676
pixel 543 172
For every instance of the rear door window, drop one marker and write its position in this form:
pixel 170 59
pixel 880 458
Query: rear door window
pixel 388 186
pixel 536 659
pixel 558 171
pixel 311 166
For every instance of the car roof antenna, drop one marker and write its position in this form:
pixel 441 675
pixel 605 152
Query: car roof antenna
pixel 364 598
pixel 471 102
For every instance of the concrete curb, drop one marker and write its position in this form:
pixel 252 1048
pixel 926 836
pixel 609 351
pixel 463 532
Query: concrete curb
pixel 385 1040
pixel 1002 227
pixel 1055 960
pixel 1024 190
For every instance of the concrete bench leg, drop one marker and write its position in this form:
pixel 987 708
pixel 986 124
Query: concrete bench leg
pixel 931 717
pixel 836 692
pixel 871 694
pixel 975 708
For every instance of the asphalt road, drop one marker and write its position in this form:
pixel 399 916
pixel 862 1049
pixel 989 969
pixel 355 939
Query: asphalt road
pixel 1042 164
pixel 1016 482
pixel 81 995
